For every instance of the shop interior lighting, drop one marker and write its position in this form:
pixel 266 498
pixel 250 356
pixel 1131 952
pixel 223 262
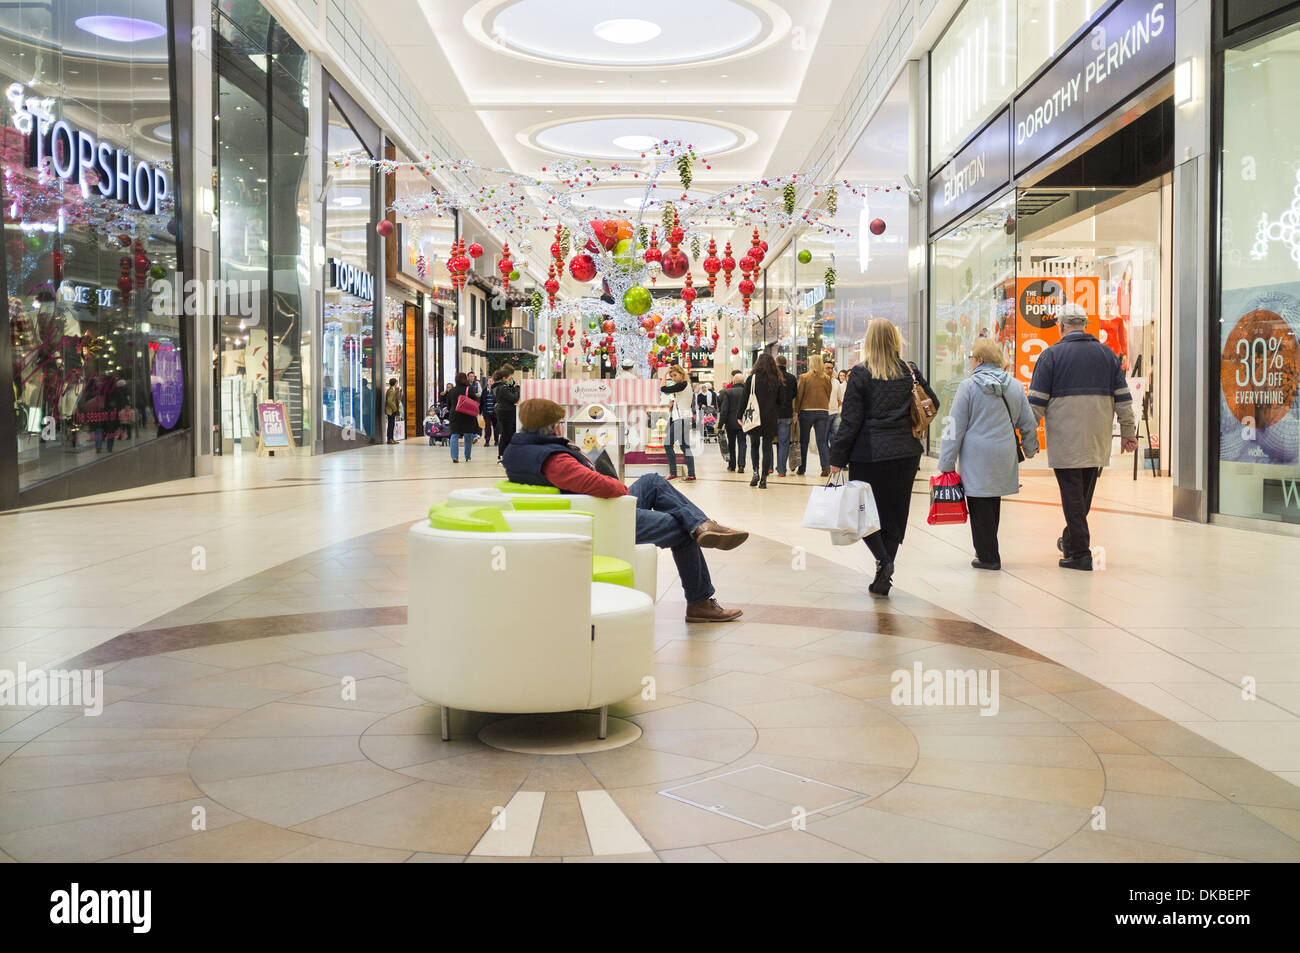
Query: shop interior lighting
pixel 1184 83
pixel 627 30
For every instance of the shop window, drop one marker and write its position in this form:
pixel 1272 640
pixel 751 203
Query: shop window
pixel 1044 28
pixel 1259 361
pixel 97 348
pixel 972 72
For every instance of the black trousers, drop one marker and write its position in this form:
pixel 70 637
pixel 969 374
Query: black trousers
pixel 489 422
pixel 1077 486
pixel 736 440
pixel 392 424
pixel 505 430
pixel 985 512
pixel 757 440
pixel 891 484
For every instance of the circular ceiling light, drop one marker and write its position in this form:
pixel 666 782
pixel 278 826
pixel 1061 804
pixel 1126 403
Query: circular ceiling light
pixel 121 29
pixel 627 31
pixel 635 143
pixel 163 132
pixel 625 37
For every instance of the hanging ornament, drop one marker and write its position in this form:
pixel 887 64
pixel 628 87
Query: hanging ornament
pixel 804 256
pixel 728 264
pixel 582 268
pixel 877 226
pixel 637 301
pixel 788 195
pixel 643 236
pixel 735 351
pixel 675 263
pixel 536 301
pixel 558 251
pixel 384 228
pixel 566 241
pixel 475 250
pixel 552 287
pixel 669 216
pixel 458 264
pixel 712 265
pixel 757 249
pixel 684 169
pixel 695 248
pixel 507 268
pixel 832 200
pixel 688 296
pixel 830 278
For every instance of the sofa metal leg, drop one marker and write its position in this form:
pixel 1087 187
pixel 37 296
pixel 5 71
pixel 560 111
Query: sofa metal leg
pixel 446 723
pixel 604 722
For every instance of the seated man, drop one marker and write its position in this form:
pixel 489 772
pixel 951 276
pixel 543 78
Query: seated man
pixel 539 455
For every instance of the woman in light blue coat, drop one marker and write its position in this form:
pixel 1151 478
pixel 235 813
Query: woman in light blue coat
pixel 980 432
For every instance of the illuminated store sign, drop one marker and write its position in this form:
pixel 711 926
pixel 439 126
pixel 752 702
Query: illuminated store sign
pixel 974 174
pixel 352 280
pixel 76 155
pixel 1125 50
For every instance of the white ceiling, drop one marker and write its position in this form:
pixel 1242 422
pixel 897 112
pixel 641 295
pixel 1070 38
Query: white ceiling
pixel 750 83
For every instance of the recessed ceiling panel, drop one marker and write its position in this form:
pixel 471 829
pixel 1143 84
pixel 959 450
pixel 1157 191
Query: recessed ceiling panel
pixel 628 137
pixel 628 34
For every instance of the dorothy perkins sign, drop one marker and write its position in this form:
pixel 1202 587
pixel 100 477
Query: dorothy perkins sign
pixel 1126 49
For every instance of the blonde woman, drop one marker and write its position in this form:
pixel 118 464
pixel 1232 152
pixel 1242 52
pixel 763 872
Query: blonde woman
pixel 681 415
pixel 988 409
pixel 812 403
pixel 875 440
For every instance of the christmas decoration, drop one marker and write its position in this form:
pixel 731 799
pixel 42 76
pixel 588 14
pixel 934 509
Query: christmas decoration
pixel 506 267
pixel 384 228
pixel 728 264
pixel 637 301
pixel 582 268
pixel 804 256
pixel 830 278
pixel 712 265
pixel 788 197
pixel 832 200
pixel 475 250
pixel 877 226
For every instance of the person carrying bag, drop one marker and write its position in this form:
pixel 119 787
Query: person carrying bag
pixel 846 510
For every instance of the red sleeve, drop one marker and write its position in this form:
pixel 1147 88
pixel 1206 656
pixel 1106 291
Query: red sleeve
pixel 568 474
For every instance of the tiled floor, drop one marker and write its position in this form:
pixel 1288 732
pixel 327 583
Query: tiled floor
pixel 226 611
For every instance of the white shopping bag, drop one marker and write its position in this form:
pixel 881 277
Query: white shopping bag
pixel 845 510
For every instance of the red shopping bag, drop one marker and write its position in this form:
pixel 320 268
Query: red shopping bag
pixel 947 500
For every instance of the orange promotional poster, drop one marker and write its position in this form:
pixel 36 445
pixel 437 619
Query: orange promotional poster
pixel 1038 302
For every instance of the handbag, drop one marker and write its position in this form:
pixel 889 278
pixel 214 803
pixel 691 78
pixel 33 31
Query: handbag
pixel 1020 450
pixel 947 500
pixel 466 404
pixel 846 510
pixel 479 420
pixel 922 410
pixel 752 417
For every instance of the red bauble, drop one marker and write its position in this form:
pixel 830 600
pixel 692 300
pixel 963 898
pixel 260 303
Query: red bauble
pixel 675 263
pixel 746 287
pixel 877 226
pixel 747 263
pixel 124 284
pixel 712 265
pixel 688 295
pixel 609 228
pixel 676 235
pixel 475 250
pixel 384 228
pixel 763 245
pixel 735 350
pixel 582 268
pixel 608 327
pixel 555 250
pixel 541 347
pixel 552 286
pixel 678 326
pixel 654 253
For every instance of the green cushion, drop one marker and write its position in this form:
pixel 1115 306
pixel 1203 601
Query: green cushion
pixel 541 503
pixel 618 572
pixel 485 519
pixel 506 486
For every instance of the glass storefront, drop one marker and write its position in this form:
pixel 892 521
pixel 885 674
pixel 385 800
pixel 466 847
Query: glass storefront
pixel 349 347
pixel 263 226
pixel 1259 301
pixel 90 228
pixel 972 72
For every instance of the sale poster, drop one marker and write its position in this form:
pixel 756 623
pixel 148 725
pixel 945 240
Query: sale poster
pixel 1259 418
pixel 1038 305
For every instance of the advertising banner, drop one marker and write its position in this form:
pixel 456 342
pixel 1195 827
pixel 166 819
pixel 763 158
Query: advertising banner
pixel 1259 419
pixel 1038 302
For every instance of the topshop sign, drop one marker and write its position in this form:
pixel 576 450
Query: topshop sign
pixel 75 155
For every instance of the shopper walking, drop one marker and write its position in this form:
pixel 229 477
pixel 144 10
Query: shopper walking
pixel 980 444
pixel 487 407
pixel 464 426
pixel 839 380
pixel 392 406
pixel 876 442
pixel 505 396
pixel 765 381
pixel 812 403
pixel 681 414
pixel 731 404
pixel 784 414
pixel 1080 388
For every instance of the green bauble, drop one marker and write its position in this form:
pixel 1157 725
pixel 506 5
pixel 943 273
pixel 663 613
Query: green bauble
pixel 157 272
pixel 661 339
pixel 593 324
pixel 637 301
pixel 514 276
pixel 625 253
pixel 804 256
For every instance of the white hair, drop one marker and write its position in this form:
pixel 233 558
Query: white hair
pixel 1072 315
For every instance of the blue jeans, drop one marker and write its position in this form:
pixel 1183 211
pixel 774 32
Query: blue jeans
pixel 782 443
pixel 669 520
pixel 465 438
pixel 810 422
pixel 679 431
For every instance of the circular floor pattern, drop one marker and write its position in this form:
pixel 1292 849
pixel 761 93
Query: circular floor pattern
pixel 568 732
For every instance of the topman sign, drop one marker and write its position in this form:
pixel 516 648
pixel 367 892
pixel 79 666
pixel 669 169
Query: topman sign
pixel 75 155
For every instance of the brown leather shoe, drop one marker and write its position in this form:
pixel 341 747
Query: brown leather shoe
pixel 711 535
pixel 710 611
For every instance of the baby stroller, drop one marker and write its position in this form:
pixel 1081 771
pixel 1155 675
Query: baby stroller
pixel 709 420
pixel 437 428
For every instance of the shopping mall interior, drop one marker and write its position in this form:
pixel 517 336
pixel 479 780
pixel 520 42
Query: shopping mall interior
pixel 724 431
